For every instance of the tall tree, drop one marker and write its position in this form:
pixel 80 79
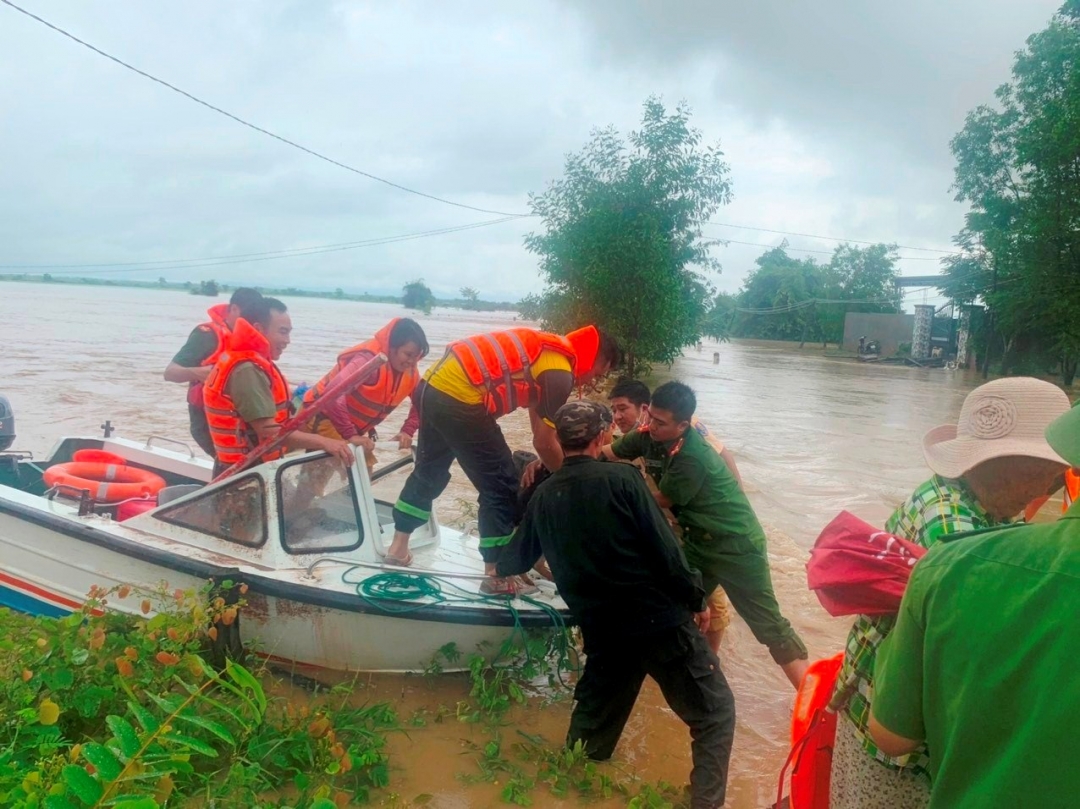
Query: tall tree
pixel 1018 166
pixel 622 245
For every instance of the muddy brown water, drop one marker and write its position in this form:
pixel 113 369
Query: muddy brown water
pixel 812 435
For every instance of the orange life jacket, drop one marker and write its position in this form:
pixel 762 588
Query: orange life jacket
pixel 217 325
pixel 1072 489
pixel 373 401
pixel 490 362
pixel 233 437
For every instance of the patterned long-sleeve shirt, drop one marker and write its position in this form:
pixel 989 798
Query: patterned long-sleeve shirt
pixel 938 507
pixel 338 410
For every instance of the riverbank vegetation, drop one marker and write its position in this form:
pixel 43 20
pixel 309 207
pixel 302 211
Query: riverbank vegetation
pixel 785 298
pixel 212 288
pixel 1018 166
pixel 139 711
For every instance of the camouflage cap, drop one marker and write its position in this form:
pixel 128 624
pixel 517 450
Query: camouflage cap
pixel 581 420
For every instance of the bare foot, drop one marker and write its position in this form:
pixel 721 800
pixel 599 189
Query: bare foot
pixel 399 547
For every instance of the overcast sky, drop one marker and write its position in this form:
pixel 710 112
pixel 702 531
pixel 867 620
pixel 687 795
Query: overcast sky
pixel 835 117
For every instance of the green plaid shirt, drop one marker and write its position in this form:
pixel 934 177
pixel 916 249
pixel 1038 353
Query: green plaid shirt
pixel 938 507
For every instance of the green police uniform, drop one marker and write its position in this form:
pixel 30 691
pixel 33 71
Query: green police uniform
pixel 722 537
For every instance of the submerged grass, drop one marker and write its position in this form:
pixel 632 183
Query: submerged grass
pixel 99 709
pixel 102 709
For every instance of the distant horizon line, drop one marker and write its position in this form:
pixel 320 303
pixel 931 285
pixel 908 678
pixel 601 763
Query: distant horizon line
pixel 225 286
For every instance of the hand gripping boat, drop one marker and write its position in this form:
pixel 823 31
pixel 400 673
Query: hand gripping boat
pixel 302 532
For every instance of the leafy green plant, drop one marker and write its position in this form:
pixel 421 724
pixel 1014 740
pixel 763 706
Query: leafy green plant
pixel 100 710
pixel 447 655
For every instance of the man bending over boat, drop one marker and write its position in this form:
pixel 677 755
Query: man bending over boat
pixel 619 569
pixel 193 363
pixel 479 380
pixel 721 534
pixel 630 409
pixel 246 396
pixel 356 413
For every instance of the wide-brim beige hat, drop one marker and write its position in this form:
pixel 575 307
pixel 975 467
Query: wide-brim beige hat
pixel 1003 418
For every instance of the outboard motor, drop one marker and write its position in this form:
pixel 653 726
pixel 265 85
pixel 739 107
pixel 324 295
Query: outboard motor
pixel 7 424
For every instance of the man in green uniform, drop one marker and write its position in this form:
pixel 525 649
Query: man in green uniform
pixel 982 661
pixel 721 534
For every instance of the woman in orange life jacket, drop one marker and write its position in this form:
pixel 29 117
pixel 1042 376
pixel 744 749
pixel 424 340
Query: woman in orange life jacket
pixel 247 398
pixel 194 361
pixel 355 413
pixel 478 380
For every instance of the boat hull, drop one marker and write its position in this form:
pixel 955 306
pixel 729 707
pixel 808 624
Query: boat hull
pixel 48 571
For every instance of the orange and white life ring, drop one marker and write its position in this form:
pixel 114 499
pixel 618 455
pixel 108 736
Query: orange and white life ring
pixel 106 482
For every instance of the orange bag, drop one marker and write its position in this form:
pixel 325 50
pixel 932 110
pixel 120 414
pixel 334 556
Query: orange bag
pixel 813 731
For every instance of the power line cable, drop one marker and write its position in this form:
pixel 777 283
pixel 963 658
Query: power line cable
pixel 250 125
pixel 798 249
pixel 779 310
pixel 406 189
pixel 284 253
pixel 828 238
pixel 244 258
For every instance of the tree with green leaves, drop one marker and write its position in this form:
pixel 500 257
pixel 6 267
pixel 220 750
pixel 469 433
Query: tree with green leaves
pixel 718 321
pixel 622 246
pixel 208 288
pixel 786 298
pixel 1018 166
pixel 418 296
pixel 471 297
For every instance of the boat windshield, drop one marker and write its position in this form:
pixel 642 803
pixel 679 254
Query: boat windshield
pixel 235 512
pixel 319 510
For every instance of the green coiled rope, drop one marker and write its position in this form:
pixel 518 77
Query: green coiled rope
pixel 401 593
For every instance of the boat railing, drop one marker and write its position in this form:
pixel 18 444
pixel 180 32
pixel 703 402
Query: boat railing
pixel 392 467
pixel 164 439
pixel 309 571
pixel 87 503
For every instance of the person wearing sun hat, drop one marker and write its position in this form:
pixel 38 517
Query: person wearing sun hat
pixel 981 664
pixel 987 467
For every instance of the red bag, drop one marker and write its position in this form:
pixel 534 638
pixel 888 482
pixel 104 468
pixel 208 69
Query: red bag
pixel 856 569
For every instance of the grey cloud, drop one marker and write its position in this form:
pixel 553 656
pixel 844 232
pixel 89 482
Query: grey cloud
pixel 903 72
pixel 476 103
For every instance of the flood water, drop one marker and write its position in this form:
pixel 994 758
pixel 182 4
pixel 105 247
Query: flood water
pixel 812 435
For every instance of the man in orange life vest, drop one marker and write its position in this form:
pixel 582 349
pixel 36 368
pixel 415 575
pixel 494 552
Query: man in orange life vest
pixel 478 380
pixel 246 396
pixel 193 362
pixel 357 412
